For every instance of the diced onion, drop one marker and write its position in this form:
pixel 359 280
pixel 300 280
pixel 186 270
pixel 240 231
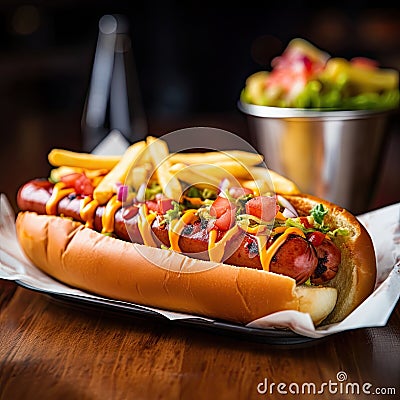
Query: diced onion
pixel 288 214
pixel 122 194
pixel 289 211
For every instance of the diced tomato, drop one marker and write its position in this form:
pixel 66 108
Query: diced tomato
pixel 308 65
pixel 305 222
pixel 80 182
pixel 160 206
pixel 220 206
pixel 152 205
pixel 83 185
pixel 70 179
pixel 226 220
pixel 263 207
pixel 224 212
pixel 316 238
pixel 164 205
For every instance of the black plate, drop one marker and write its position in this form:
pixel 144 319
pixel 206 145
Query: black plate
pixel 270 336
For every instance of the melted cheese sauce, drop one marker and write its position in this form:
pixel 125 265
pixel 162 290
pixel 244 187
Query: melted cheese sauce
pixel 177 226
pixel 59 192
pixel 88 210
pixel 216 250
pixel 267 254
pixel 107 218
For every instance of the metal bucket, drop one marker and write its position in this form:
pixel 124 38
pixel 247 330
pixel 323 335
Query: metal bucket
pixel 334 155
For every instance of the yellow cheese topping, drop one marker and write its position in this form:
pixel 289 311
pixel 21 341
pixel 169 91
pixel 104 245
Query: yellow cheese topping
pixel 107 218
pixel 87 211
pixel 267 254
pixel 280 229
pixel 86 200
pixel 280 216
pixel 145 220
pixel 216 250
pixel 176 227
pixel 58 193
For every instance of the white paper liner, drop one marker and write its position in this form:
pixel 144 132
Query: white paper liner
pixel 383 226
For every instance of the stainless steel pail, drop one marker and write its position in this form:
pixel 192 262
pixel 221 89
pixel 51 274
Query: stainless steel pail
pixel 334 155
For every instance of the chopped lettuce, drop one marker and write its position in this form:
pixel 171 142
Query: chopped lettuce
pixel 201 193
pixel 318 212
pixel 174 213
pixel 152 190
pixel 316 223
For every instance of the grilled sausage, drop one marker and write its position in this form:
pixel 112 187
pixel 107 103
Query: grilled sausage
pixel 296 257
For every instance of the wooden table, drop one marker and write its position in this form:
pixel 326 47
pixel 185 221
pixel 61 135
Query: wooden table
pixel 50 349
pixel 55 350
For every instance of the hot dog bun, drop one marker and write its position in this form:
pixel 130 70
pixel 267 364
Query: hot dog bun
pixel 355 279
pixel 83 258
pixel 110 267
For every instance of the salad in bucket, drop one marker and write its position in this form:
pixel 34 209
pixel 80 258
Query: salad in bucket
pixel 307 77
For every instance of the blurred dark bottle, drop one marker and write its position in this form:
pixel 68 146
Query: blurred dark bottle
pixel 113 101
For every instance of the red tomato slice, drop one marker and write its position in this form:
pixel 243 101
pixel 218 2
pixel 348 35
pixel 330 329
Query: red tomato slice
pixel 164 205
pixel 305 222
pixel 220 206
pixel 83 185
pixel 263 207
pixel 70 179
pixel 226 220
pixel 79 181
pixel 152 205
pixel 316 238
pixel 160 206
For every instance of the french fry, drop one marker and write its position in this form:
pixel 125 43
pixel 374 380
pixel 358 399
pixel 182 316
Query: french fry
pixel 139 175
pixel 160 156
pixel 234 168
pixel 239 156
pixel 106 188
pixel 263 178
pixel 193 175
pixel 59 157
pixel 210 173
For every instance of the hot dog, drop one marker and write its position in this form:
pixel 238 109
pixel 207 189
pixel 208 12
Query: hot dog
pixel 293 251
pixel 34 195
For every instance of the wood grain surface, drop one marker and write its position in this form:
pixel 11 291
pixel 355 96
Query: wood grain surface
pixel 50 349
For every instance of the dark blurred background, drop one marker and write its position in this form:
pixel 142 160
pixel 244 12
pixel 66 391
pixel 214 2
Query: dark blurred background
pixel 191 59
